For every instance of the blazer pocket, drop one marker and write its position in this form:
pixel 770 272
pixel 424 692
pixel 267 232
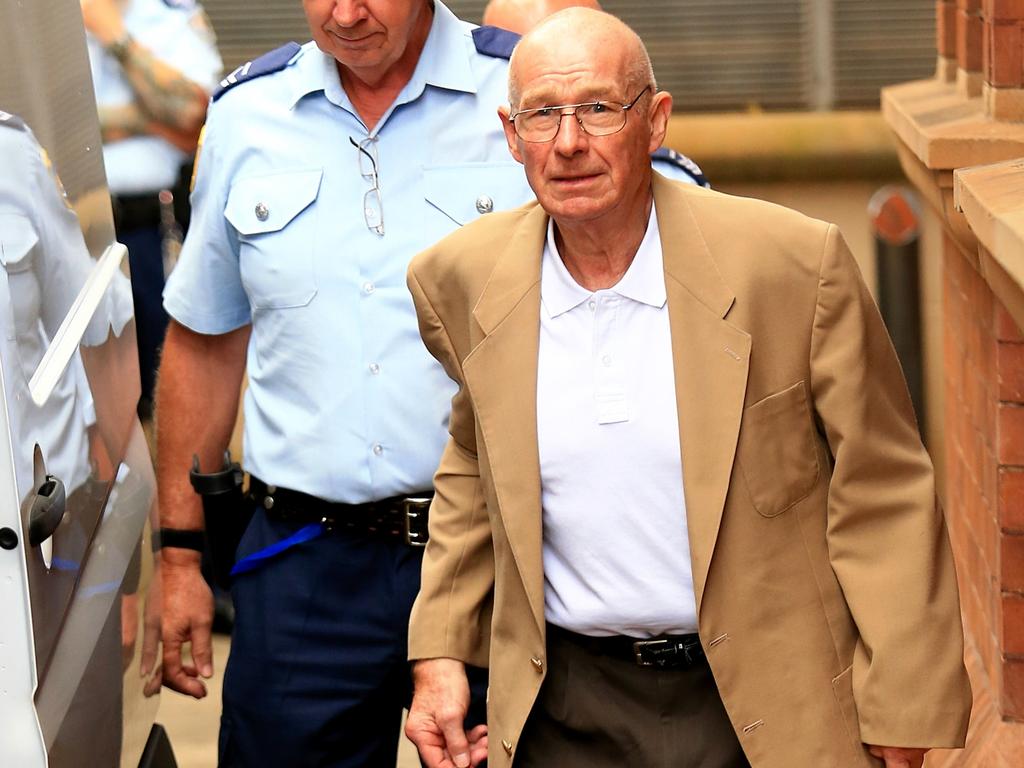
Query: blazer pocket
pixel 777 452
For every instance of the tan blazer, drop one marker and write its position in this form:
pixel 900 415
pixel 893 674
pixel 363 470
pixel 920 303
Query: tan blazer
pixel 825 587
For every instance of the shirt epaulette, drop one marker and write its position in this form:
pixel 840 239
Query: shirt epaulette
pixel 266 64
pixel 681 161
pixel 495 41
pixel 11 121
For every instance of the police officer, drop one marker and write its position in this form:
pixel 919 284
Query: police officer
pixel 154 64
pixel 520 16
pixel 324 169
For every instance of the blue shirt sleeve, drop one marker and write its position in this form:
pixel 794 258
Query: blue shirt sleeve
pixel 205 291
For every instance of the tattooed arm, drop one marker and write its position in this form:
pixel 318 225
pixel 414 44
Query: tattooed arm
pixel 166 100
pixel 129 120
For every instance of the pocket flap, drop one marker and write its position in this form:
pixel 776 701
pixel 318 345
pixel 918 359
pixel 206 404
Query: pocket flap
pixel 17 239
pixel 267 203
pixel 466 191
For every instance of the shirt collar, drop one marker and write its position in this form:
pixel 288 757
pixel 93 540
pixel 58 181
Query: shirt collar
pixel 643 282
pixel 444 62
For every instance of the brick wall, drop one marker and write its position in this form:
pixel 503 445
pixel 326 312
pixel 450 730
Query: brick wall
pixel 984 369
pixel 1002 57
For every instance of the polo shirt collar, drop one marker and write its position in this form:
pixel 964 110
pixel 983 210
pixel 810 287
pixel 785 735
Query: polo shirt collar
pixel 643 282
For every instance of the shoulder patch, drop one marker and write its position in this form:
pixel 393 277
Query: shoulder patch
pixel 266 64
pixel 681 161
pixel 11 121
pixel 495 41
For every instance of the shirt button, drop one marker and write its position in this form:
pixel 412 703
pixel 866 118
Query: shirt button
pixel 378 449
pixel 484 204
pixel 369 287
pixel 374 368
pixel 607 360
pixel 262 212
pixel 592 305
pixel 538 663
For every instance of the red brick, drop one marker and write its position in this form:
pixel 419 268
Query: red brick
pixel 945 28
pixel 1011 499
pixel 1013 689
pixel 1003 10
pixel 1013 623
pixel 969 37
pixel 1011 372
pixel 1011 434
pixel 1002 55
pixel 1011 575
pixel 1006 327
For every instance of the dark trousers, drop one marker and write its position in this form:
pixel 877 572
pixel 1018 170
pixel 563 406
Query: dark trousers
pixel 595 711
pixel 317 674
pixel 146 261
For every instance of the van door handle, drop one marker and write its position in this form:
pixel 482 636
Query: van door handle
pixel 47 510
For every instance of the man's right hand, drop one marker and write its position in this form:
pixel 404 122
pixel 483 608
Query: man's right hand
pixel 435 723
pixel 187 616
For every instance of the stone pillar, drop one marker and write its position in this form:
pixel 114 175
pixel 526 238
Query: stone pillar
pixel 963 154
pixel 1003 58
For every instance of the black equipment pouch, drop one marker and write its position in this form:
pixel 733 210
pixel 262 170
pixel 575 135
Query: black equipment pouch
pixel 226 512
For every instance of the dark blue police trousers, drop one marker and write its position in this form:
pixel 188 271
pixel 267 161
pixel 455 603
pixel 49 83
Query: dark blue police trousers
pixel 317 674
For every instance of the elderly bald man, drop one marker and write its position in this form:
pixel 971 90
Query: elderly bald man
pixel 520 16
pixel 684 513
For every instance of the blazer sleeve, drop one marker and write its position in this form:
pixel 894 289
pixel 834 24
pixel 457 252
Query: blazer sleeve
pixel 886 534
pixel 451 617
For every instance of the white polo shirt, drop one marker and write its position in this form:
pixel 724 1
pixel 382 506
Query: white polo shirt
pixel 616 548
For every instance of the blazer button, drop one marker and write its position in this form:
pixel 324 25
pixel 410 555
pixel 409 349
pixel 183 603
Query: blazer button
pixel 507 746
pixel 537 663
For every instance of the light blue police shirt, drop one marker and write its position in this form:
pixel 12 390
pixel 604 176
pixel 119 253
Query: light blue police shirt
pixel 344 402
pixel 175 32
pixel 44 263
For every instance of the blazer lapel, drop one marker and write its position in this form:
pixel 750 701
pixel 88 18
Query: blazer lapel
pixel 501 374
pixel 711 358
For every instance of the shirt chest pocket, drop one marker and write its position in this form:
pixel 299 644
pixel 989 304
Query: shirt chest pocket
pixel 778 453
pixel 275 217
pixel 466 191
pixel 18 242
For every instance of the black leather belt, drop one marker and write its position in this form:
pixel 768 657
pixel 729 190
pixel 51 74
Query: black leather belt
pixel 403 517
pixel 136 211
pixel 664 652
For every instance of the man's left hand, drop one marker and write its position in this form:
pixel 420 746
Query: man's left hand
pixel 899 757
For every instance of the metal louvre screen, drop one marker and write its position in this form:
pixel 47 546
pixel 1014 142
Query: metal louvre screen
pixel 713 55
pixel 878 43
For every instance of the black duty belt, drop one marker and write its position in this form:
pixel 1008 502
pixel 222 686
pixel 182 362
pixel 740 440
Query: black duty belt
pixel 403 517
pixel 136 211
pixel 666 651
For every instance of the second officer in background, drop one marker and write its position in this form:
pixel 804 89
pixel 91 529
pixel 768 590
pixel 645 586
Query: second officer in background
pixel 324 169
pixel 154 64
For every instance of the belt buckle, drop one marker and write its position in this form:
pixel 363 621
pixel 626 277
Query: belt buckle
pixel 412 509
pixel 640 646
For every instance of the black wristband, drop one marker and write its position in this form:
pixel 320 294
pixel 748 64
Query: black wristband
pixel 182 539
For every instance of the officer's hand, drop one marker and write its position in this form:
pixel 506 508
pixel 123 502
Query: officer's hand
pixel 187 615
pixel 899 757
pixel 435 723
pixel 103 20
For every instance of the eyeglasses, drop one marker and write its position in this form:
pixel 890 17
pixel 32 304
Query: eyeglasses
pixel 373 209
pixel 596 118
